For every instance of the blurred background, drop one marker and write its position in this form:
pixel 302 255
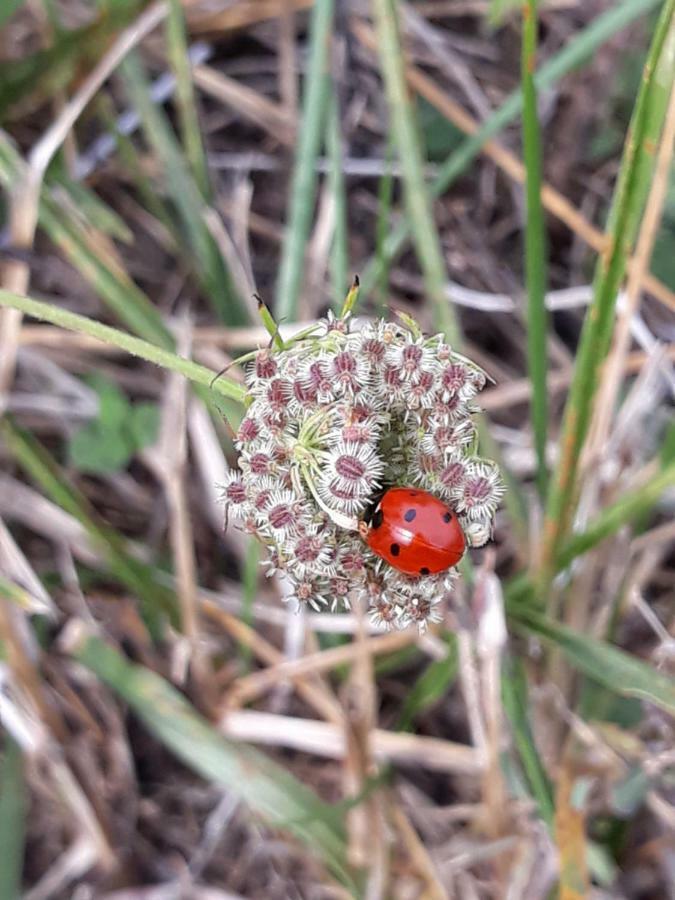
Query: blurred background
pixel 169 727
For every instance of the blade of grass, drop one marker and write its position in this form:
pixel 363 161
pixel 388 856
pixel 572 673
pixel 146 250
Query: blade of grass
pixel 433 684
pixel 47 312
pixel 580 48
pixel 303 186
pixel 416 194
pixel 339 256
pixel 42 74
pixel 608 665
pixel 627 204
pixel 129 158
pixel 249 589
pixel 385 197
pixel 628 507
pixel 517 706
pixel 535 245
pixel 187 106
pixel 80 245
pixel 267 788
pixel 154 599
pixel 209 265
pixel 12 820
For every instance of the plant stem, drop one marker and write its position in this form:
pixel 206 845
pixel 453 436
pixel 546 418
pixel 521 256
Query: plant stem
pixel 535 245
pixel 629 506
pixel 629 196
pixel 303 188
pixel 417 199
pixel 47 312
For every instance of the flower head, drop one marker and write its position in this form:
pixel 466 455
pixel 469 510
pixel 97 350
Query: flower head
pixel 334 419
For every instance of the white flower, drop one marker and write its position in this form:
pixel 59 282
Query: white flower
pixel 334 418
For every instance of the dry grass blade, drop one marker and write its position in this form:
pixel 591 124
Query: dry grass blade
pixel 328 740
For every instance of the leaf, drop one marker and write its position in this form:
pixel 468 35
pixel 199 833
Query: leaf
pixel 608 665
pixel 143 425
pixel 99 449
pixel 266 787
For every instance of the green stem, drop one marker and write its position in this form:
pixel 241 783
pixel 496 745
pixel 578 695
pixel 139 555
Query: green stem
pixel 46 312
pixel 339 257
pixel 628 507
pixel 629 196
pixel 569 58
pixel 417 199
pixel 303 189
pixel 535 245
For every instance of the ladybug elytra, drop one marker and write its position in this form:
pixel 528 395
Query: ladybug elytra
pixel 415 532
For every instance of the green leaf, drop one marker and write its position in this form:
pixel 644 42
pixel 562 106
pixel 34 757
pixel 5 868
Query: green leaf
pixel 608 665
pixel 143 424
pixel 440 135
pixel 99 449
pixel 114 408
pixel 266 787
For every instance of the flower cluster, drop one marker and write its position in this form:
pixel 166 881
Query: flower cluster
pixel 335 418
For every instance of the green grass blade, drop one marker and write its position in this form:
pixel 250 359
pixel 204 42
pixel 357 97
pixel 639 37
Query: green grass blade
pixel 517 708
pixel 617 670
pixel 129 158
pixel 185 95
pixel 93 210
pixel 628 507
pixel 535 245
pixel 268 789
pixel 206 258
pixel 629 198
pixel 339 257
pixel 13 806
pixel 303 187
pixel 79 245
pixel 385 198
pixel 417 200
pixel 41 75
pixel 579 49
pixel 433 684
pixel 47 312
pixel 155 600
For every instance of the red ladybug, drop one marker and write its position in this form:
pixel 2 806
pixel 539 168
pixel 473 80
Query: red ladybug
pixel 415 532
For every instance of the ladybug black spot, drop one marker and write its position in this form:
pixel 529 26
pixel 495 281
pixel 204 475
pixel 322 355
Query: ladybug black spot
pixel 395 549
pixel 413 493
pixel 409 515
pixel 378 516
pixel 424 571
pixel 447 516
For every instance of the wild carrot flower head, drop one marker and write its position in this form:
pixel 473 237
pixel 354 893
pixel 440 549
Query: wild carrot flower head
pixel 333 420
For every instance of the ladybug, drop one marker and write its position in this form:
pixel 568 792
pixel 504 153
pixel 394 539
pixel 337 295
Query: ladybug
pixel 415 532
